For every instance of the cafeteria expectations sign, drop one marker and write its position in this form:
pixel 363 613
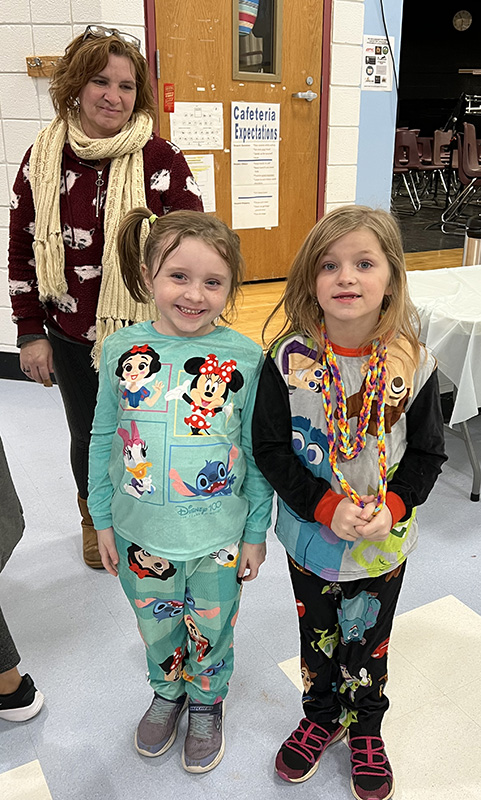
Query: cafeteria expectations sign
pixel 255 136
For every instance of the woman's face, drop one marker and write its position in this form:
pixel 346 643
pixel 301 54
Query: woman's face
pixel 107 100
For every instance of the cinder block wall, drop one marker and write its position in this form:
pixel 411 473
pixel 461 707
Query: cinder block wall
pixel 38 27
pixel 345 102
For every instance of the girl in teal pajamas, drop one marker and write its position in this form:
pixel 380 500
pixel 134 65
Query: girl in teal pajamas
pixel 180 508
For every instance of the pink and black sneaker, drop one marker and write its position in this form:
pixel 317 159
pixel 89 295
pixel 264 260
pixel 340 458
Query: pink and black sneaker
pixel 371 773
pixel 300 754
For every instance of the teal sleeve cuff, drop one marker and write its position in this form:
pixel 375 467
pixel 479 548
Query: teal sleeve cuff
pixel 253 537
pixel 100 523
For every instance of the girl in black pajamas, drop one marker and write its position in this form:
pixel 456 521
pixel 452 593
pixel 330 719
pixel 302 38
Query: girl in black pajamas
pixel 348 430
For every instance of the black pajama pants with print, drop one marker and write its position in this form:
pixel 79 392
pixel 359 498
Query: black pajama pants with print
pixel 344 632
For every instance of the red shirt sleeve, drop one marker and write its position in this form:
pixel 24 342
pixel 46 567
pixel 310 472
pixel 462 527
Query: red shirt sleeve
pixel 326 507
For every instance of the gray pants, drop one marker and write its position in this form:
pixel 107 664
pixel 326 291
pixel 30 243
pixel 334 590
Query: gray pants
pixel 11 529
pixel 9 657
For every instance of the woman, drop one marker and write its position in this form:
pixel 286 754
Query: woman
pixel 92 164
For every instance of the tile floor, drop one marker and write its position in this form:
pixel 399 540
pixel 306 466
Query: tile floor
pixel 78 639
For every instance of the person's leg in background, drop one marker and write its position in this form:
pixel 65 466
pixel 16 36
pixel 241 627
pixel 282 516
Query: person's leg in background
pixel 78 384
pixel 19 699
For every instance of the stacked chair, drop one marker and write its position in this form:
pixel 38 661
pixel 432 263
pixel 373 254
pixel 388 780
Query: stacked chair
pixel 469 176
pixel 420 163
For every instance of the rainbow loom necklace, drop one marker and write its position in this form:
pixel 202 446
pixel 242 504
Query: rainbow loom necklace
pixel 375 382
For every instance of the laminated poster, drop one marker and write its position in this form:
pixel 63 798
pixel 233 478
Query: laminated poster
pixel 255 136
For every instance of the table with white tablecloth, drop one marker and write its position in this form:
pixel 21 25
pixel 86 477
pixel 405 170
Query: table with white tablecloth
pixel 449 305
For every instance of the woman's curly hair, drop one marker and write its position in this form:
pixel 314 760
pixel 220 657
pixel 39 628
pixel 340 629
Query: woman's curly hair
pixel 85 58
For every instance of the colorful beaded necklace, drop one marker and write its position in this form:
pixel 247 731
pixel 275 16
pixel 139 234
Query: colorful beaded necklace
pixel 375 383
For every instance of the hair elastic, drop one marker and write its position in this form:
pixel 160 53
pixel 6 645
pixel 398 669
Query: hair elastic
pixel 152 218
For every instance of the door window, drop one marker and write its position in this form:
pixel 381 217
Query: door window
pixel 257 33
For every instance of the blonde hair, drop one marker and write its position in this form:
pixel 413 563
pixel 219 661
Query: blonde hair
pixel 85 58
pixel 166 234
pixel 299 300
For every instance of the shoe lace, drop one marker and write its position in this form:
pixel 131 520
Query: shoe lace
pixel 160 711
pixel 200 725
pixel 308 740
pixel 369 757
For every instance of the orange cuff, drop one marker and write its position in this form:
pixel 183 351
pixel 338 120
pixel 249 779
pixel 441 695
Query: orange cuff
pixel 326 507
pixel 396 506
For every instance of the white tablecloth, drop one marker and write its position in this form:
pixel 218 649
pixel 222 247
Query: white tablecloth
pixel 449 305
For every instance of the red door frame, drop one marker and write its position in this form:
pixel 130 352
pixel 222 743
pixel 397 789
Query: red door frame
pixel 151 48
pixel 324 109
pixel 151 44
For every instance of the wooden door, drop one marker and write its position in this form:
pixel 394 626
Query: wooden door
pixel 194 39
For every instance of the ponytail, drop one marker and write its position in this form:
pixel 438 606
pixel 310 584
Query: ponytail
pixel 130 241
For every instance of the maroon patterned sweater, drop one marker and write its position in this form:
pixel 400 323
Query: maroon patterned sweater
pixel 169 186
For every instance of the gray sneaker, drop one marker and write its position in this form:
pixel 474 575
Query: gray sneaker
pixel 204 744
pixel 157 729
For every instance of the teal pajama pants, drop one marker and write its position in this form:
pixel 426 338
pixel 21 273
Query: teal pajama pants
pixel 186 611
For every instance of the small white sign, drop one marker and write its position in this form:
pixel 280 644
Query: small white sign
pixel 197 126
pixel 377 63
pixel 202 167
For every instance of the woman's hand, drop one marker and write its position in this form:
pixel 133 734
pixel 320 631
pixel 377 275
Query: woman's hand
pixel 108 551
pixel 36 360
pixel 252 556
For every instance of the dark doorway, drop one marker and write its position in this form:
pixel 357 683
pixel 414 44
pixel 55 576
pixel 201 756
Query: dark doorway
pixel 433 51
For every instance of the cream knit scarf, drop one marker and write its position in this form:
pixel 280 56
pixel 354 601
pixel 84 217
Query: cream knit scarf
pixel 126 190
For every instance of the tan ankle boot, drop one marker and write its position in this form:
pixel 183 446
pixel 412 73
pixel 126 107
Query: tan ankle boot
pixel 90 548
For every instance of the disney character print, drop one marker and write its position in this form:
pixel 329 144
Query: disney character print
pixel 214 479
pixel 208 392
pixel 201 642
pixel 135 368
pixel 135 455
pixel 146 565
pixel 173 665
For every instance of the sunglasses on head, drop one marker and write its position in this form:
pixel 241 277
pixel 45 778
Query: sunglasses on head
pixel 98 31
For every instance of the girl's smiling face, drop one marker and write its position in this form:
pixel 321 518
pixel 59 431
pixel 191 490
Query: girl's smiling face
pixel 190 289
pixel 353 278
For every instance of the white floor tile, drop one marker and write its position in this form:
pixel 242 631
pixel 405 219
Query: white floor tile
pixel 291 668
pixel 435 753
pixel 463 698
pixel 443 641
pixel 407 687
pixel 24 783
